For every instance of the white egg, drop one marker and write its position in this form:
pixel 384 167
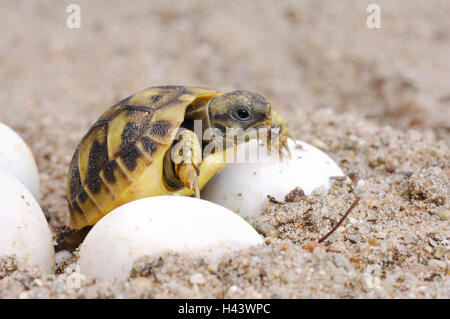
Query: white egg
pixel 17 159
pixel 164 223
pixel 244 187
pixel 24 231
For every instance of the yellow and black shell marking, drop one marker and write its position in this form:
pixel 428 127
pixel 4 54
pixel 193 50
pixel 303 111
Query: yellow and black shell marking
pixel 120 159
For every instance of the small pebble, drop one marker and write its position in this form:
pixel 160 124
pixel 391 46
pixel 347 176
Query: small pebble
pixel 440 251
pixel 273 233
pixel 380 235
pixel 24 295
pixel 408 174
pixel 62 256
pixel 390 169
pixel 320 144
pixel 295 195
pixel 277 273
pixel 140 285
pixel 38 282
pixel 213 267
pixel 263 228
pixel 75 280
pixel 341 262
pixel 439 201
pixel 233 290
pixel 444 214
pixel 197 279
pixel 337 247
pixel 372 283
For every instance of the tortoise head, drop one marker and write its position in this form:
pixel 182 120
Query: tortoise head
pixel 243 115
pixel 238 111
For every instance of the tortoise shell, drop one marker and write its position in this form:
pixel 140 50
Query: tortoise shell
pixel 120 159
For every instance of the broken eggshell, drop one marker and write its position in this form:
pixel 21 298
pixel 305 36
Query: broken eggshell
pixel 244 185
pixel 154 225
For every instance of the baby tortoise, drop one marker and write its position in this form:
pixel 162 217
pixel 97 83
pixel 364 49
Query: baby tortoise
pixel 145 145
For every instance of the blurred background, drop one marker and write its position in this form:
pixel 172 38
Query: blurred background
pixel 302 55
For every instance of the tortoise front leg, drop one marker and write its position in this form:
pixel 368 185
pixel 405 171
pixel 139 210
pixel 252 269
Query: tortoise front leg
pixel 70 239
pixel 186 154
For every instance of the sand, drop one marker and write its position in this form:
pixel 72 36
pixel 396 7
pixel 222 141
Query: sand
pixel 377 101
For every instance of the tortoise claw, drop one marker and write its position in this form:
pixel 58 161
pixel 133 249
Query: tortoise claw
pixel 288 150
pixel 289 136
pixel 194 184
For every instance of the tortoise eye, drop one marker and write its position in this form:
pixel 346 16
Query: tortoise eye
pixel 241 114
